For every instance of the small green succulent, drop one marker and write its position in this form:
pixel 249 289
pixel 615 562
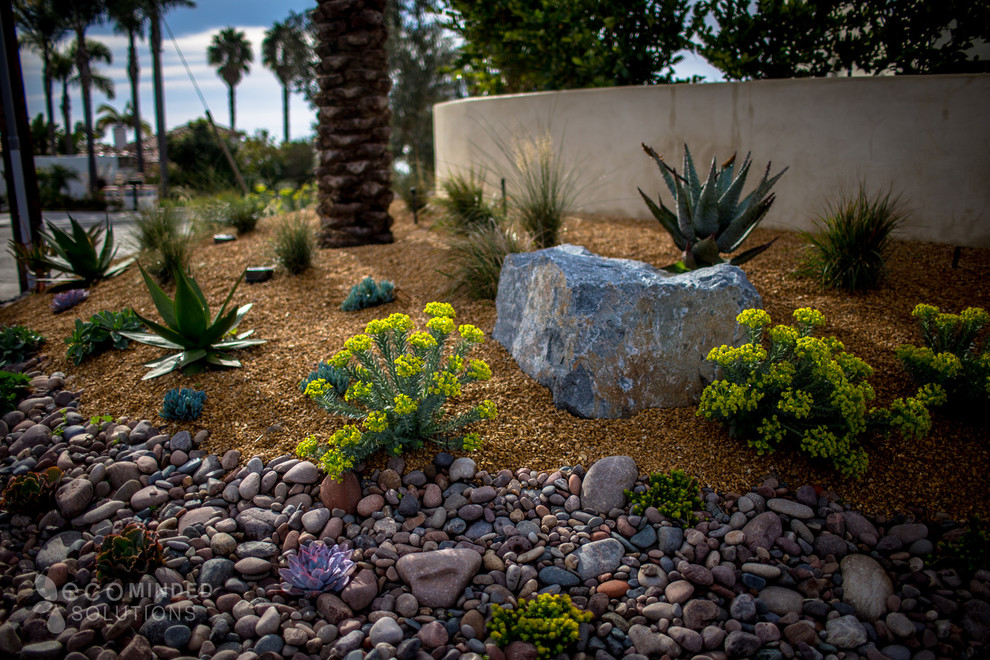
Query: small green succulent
pixel 128 555
pixel 31 493
pixel 550 622
pixel 675 495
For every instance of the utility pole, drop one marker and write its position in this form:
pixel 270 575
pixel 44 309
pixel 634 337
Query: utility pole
pixel 18 156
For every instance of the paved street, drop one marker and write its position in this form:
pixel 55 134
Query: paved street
pixel 123 224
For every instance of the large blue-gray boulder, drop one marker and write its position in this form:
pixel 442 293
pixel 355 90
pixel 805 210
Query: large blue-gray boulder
pixel 612 337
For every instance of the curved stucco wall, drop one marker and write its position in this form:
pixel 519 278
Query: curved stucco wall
pixel 926 136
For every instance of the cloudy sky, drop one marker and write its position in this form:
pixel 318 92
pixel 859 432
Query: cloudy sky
pixel 258 96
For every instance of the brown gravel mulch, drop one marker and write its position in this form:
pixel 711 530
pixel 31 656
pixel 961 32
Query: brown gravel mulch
pixel 259 408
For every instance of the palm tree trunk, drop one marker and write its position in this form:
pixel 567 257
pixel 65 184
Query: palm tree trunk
pixel 49 104
pixel 155 39
pixel 85 81
pixel 67 117
pixel 230 103
pixel 132 73
pixel 285 113
pixel 353 175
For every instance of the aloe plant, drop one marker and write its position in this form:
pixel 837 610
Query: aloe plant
pixel 75 253
pixel 710 220
pixel 201 341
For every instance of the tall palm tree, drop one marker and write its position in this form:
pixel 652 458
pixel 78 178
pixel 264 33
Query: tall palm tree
pixel 230 51
pixel 353 131
pixel 41 28
pixel 129 17
pixel 285 51
pixel 82 14
pixel 155 10
pixel 64 70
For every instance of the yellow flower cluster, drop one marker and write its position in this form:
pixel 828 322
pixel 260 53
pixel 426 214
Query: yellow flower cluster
pixel 422 341
pixel 357 391
pixel 440 309
pixel 487 410
pixel 784 335
pixel 479 370
pixel 441 325
pixel 747 354
pixel 307 446
pixel 771 434
pixel 809 318
pixel 923 311
pixel 753 318
pixel 724 400
pixel 796 403
pixel 472 442
pixel 404 405
pixel 335 463
pixel 408 366
pixel 341 359
pixel 398 322
pixel 358 344
pixel 975 316
pixel 445 383
pixel 376 421
pixel 317 388
pixel 472 334
pixel 455 363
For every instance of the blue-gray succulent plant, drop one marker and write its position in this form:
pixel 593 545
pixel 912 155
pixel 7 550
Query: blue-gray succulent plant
pixel 707 218
pixel 317 568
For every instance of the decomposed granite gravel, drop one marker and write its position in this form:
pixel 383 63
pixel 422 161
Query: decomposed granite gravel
pixel 259 409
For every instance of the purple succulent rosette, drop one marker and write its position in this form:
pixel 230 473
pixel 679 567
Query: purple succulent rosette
pixel 317 568
pixel 68 299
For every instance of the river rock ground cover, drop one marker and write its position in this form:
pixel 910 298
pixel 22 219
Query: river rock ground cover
pixel 259 409
pixel 778 570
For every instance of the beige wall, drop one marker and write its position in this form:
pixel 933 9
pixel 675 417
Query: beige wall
pixel 927 136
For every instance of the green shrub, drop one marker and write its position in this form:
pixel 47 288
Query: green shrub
pixel 200 340
pixel 969 550
pixel 803 391
pixel 675 495
pixel 163 241
pixel 31 493
pixel 476 259
pixel 100 333
pixel 294 244
pixel 129 555
pixel 550 622
pixel 12 385
pixel 182 404
pixel 75 253
pixel 18 343
pixel 956 354
pixel 399 383
pixel 367 293
pixel 851 247
pixel 463 207
pixel 709 218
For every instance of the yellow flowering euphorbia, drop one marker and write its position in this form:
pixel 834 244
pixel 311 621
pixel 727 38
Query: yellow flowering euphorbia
pixel 801 389
pixel 399 383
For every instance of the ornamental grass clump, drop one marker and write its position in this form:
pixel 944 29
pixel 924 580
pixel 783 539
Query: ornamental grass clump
pixel 399 386
pixel 549 622
pixel 955 357
pixel 806 391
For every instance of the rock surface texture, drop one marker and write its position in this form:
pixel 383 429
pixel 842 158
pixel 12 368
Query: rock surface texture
pixel 353 173
pixel 441 547
pixel 612 337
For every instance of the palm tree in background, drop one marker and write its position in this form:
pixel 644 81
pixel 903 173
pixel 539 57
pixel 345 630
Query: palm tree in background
pixel 155 10
pixel 41 29
pixel 65 71
pixel 129 17
pixel 285 51
pixel 110 116
pixel 82 14
pixel 230 52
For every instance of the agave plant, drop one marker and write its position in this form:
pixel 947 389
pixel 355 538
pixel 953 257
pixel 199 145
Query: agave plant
pixel 201 341
pixel 710 219
pixel 75 254
pixel 317 568
pixel 128 555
